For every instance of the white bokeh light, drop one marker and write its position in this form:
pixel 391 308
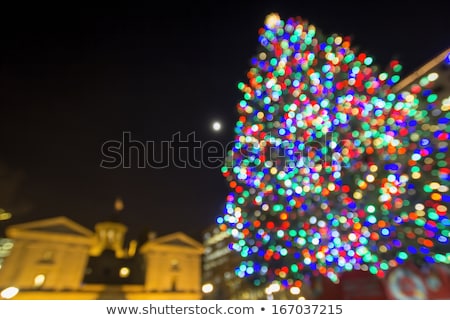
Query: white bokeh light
pixel 216 126
pixel 207 288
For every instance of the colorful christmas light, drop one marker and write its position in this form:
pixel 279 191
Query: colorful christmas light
pixel 331 170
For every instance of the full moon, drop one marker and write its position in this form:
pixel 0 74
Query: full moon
pixel 216 126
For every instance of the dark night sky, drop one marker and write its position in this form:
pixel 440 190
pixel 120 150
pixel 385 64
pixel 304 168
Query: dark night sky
pixel 72 78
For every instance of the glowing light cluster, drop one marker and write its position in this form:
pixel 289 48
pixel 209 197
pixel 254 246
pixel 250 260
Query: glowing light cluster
pixel 331 170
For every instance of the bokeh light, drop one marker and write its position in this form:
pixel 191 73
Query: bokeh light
pixel 331 170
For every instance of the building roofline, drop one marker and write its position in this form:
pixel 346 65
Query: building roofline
pixel 421 71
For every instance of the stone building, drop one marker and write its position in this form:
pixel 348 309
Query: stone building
pixel 57 258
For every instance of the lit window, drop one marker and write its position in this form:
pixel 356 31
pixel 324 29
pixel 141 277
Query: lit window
pixel 9 292
pixel 124 272
pixel 39 280
pixel 47 256
pixel 174 265
pixel 110 234
pixel 5 215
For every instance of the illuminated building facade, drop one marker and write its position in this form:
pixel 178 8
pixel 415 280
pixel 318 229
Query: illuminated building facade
pixel 218 265
pixel 59 259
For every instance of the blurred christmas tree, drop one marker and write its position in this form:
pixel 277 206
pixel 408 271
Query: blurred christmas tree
pixel 331 169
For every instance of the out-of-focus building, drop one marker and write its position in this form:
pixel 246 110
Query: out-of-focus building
pixel 219 262
pixel 6 246
pixel 436 70
pixel 57 258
